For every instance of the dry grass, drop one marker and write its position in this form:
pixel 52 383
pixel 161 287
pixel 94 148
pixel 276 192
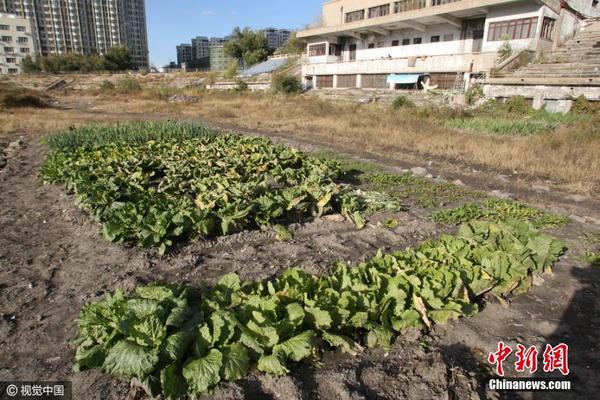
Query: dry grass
pixel 569 156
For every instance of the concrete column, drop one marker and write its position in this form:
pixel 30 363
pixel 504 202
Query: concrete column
pixel 335 80
pixel 358 81
pixel 538 102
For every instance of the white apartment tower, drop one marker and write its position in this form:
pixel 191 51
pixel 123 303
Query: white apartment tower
pixel 16 42
pixel 85 26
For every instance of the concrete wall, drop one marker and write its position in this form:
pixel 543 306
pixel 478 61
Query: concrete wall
pixel 555 98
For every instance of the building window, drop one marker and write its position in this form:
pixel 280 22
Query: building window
pixel 395 43
pixel 405 42
pixel 6 38
pixel 448 37
pixel 9 49
pixel 417 40
pixel 371 46
pixel 435 39
pixel 379 11
pixel 548 28
pixel 408 5
pixel 13 70
pixel 21 29
pixel 22 40
pixel 11 60
pixel 523 28
pixel 315 50
pixel 355 16
pixel 24 50
pixel 324 81
pixel 335 49
pixel 4 27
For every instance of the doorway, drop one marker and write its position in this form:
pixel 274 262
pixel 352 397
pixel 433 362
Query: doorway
pixel 352 52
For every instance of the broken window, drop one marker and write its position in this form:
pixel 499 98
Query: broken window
pixel 548 28
pixel 379 11
pixel 335 49
pixel 315 50
pixel 355 16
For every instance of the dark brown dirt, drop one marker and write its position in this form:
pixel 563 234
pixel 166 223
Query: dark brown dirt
pixel 52 261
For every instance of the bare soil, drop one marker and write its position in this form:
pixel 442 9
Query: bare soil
pixel 52 261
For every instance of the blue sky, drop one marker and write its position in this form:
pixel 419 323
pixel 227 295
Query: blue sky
pixel 171 22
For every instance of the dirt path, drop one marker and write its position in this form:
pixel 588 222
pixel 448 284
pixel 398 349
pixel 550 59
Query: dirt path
pixel 52 261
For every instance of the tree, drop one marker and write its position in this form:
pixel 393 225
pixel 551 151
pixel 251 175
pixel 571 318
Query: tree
pixel 117 59
pixel 247 46
pixel 292 46
pixel 29 65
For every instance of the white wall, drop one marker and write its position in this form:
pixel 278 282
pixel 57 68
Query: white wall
pixel 517 11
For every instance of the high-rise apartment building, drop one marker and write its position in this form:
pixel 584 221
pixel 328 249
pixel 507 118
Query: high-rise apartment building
pixel 200 47
pixel 184 54
pixel 16 42
pixel 276 37
pixel 85 26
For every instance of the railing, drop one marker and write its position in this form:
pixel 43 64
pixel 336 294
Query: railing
pixel 408 5
pixel 440 2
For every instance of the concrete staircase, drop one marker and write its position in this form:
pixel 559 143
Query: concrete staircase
pixel 579 57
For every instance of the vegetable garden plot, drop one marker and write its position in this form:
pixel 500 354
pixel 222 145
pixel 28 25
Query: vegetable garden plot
pixel 155 183
pixel 182 343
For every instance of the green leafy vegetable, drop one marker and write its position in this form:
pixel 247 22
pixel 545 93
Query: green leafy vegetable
pixel 184 344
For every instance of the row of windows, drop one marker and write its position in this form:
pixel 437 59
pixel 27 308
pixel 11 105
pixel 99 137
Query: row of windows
pixel 11 60
pixel 384 9
pixel 7 28
pixel 24 50
pixel 315 50
pixel 523 28
pixel 10 70
pixel 10 39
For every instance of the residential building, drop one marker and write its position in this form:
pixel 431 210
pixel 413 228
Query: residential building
pixel 16 42
pixel 184 54
pixel 200 47
pixel 276 37
pixel 379 44
pixel 197 54
pixel 218 59
pixel 85 26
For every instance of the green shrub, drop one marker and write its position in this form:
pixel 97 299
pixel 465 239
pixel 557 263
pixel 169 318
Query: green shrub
pixel 518 105
pixel 231 71
pixel 241 86
pixel 127 84
pixel 582 105
pixel 474 93
pixel 285 83
pixel 402 102
pixel 505 51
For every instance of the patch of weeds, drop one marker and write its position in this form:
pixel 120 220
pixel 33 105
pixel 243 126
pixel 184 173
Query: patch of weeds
pixel 515 116
pixel 13 96
pixel 402 102
pixel 391 223
pixel 500 210
pixel 126 84
pixel 593 258
pixel 419 191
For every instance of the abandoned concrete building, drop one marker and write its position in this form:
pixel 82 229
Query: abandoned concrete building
pixel 372 44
